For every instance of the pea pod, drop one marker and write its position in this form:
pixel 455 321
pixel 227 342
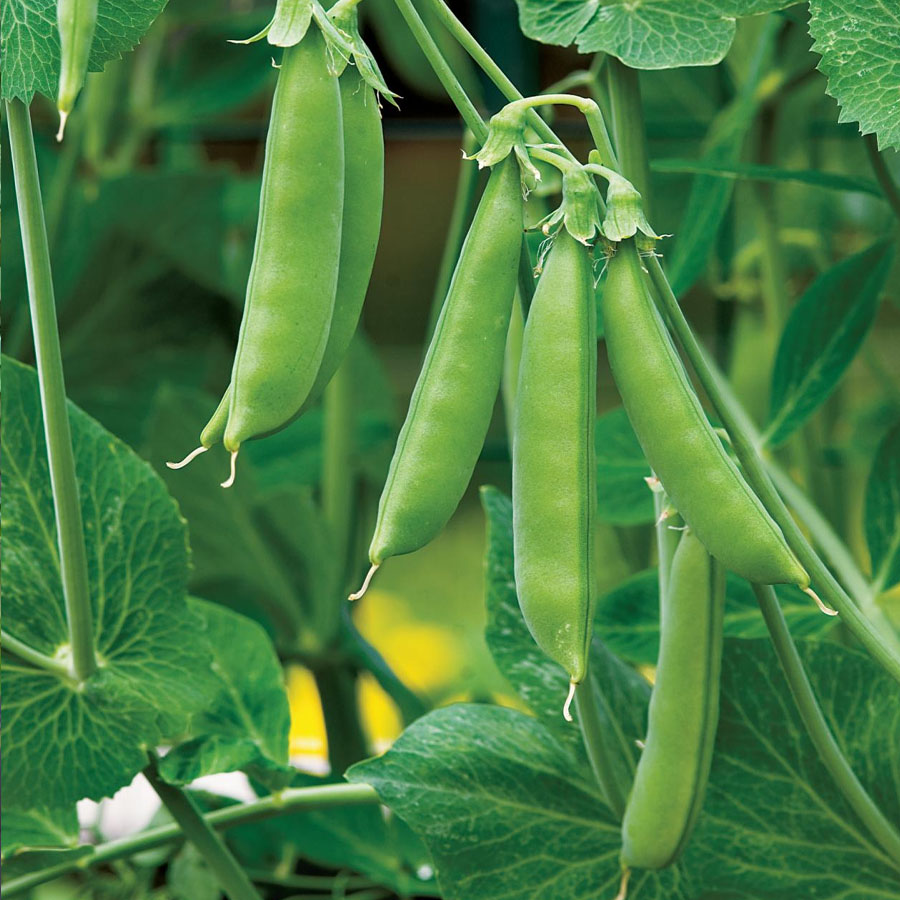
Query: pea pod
pixel 671 776
pixel 76 21
pixel 554 470
pixel 454 396
pixel 293 277
pixel 687 456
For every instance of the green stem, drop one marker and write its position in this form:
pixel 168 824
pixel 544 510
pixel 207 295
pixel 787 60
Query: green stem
pixel 463 202
pixel 734 420
pixel 445 74
pixel 627 116
pixel 883 174
pixel 817 728
pixel 227 870
pixel 292 800
pixel 597 748
pixel 306 882
pixel 667 539
pixel 337 465
pixel 60 458
pixel 336 684
pixel 34 657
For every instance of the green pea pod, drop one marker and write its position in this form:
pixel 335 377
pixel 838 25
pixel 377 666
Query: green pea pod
pixel 700 478
pixel 671 776
pixel 453 399
pixel 554 469
pixel 293 278
pixel 77 21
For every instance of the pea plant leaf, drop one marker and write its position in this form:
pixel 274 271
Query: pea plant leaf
pixel 535 825
pixel 859 42
pixel 30 41
pixel 63 741
pixel 774 822
pixel 822 335
pixel 34 839
pixel 627 617
pixel 623 497
pixel 650 34
pixel 883 513
pixel 247 725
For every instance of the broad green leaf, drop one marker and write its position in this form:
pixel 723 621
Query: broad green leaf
pixel 653 34
pixel 63 741
pixel 738 171
pixel 627 617
pixel 822 335
pixel 40 828
pixel 774 824
pixel 539 682
pixel 30 41
pixel 859 42
pixel 505 810
pixel 623 497
pixel 883 512
pixel 247 725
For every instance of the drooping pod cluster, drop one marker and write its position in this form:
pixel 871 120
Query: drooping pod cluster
pixel 319 220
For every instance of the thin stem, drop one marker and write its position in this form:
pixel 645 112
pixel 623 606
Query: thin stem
pixel 596 746
pixel 292 800
pixel 817 728
pixel 463 202
pixel 337 467
pixel 883 174
pixel 445 74
pixel 667 539
pixel 60 458
pixel 34 657
pixel 336 684
pixel 733 418
pixel 227 870
pixel 628 126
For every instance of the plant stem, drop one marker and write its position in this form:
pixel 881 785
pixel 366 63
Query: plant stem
pixel 337 466
pixel 596 746
pixel 883 174
pixel 445 74
pixel 463 201
pixel 60 458
pixel 34 657
pixel 336 684
pixel 734 420
pixel 227 870
pixel 667 539
pixel 329 796
pixel 628 126
pixel 817 728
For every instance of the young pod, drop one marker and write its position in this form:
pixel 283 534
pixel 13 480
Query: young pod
pixel 454 396
pixel 554 468
pixel 671 776
pixel 687 456
pixel 293 277
pixel 76 21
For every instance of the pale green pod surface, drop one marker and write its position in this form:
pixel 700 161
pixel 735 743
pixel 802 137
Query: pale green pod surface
pixel 363 198
pixel 76 20
pixel 454 397
pixel 554 469
pixel 214 432
pixel 671 776
pixel 293 278
pixel 700 478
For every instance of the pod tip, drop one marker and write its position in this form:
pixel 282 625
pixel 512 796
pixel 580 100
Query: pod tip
pixel 189 458
pixel 819 602
pixel 623 885
pixel 63 117
pixel 365 585
pixel 229 481
pixel 567 706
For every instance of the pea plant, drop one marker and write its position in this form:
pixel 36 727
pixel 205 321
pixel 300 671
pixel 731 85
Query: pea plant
pixel 693 557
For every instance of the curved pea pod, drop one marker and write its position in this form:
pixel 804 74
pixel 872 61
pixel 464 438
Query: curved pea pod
pixel 363 198
pixel 454 397
pixel 76 21
pixel 293 277
pixel 671 776
pixel 554 469
pixel 687 456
